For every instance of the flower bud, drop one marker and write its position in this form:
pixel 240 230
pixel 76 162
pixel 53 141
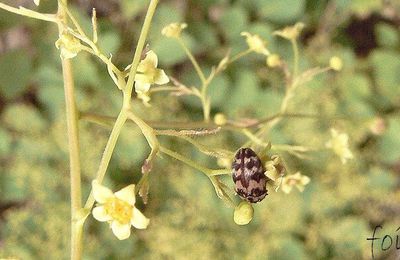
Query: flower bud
pixel 336 63
pixel 274 60
pixel 173 30
pixel 220 119
pixel 290 32
pixel 243 213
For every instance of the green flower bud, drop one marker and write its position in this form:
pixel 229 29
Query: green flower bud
pixel 243 213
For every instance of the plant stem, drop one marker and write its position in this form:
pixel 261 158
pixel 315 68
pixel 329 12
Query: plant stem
pixel 108 151
pixel 193 60
pixel 127 92
pixel 239 55
pixel 208 172
pixel 29 13
pixel 295 58
pixel 73 143
pixel 139 47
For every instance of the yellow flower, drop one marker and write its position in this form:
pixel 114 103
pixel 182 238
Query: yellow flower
pixel 173 30
pixel 290 32
pixel 297 180
pixel 148 73
pixel 37 2
pixel 118 209
pixel 69 46
pixel 274 168
pixel 336 63
pixel 339 143
pixel 255 43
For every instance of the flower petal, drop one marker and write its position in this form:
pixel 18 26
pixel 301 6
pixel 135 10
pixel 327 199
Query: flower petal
pixel 138 220
pixel 161 77
pixel 121 231
pixel 101 193
pixel 141 86
pixel 151 57
pixel 100 214
pixel 127 194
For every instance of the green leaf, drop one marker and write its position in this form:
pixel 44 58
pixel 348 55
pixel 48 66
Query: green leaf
pixel 389 144
pixel 386 65
pixel 387 35
pixel 283 11
pixel 233 22
pixel 169 52
pixel 15 69
pixel 109 42
pixel 24 118
pixel 5 142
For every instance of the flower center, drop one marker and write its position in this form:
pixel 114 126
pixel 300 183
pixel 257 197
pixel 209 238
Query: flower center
pixel 119 210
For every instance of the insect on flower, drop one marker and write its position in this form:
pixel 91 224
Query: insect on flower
pixel 248 176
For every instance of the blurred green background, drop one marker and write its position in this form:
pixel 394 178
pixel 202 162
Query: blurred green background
pixel 331 219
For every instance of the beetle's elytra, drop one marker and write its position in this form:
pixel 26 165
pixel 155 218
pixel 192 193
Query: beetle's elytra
pixel 248 176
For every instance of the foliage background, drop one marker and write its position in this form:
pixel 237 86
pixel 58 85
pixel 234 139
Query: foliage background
pixel 331 219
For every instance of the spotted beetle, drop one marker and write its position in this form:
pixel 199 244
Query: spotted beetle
pixel 248 176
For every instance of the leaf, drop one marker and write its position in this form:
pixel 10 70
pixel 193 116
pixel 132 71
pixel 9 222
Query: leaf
pixel 387 35
pixel 282 11
pixel 233 22
pixel 24 118
pixel 15 70
pixel 386 65
pixel 389 144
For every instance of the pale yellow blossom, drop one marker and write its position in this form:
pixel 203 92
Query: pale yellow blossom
pixel 173 30
pixel 37 2
pixel 148 73
pixel 339 143
pixel 68 45
pixel 290 32
pixel 255 43
pixel 118 209
pixel 295 180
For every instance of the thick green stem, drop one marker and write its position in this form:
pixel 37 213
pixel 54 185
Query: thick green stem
pixel 108 151
pixel 73 144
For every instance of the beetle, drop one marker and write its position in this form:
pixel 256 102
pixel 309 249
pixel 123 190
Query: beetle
pixel 248 176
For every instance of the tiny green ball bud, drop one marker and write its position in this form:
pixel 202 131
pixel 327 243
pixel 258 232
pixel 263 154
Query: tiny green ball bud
pixel 274 60
pixel 336 63
pixel 220 119
pixel 243 213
